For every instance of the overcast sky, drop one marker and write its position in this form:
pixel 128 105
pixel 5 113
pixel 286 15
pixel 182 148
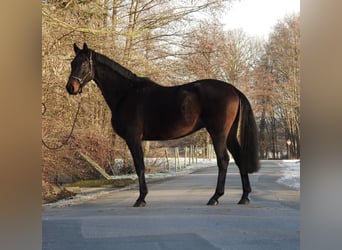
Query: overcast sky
pixel 257 17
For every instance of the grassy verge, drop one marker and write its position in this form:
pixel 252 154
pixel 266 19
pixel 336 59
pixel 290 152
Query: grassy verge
pixel 66 191
pixel 102 183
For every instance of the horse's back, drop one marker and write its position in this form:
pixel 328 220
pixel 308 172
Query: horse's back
pixel 213 89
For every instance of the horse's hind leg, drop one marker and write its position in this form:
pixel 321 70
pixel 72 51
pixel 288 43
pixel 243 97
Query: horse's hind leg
pixel 219 143
pixel 234 149
pixel 246 188
pixel 138 158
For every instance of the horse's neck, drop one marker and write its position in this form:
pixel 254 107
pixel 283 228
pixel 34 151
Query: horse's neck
pixel 112 85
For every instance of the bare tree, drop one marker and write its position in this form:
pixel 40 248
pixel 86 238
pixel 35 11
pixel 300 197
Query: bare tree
pixel 283 59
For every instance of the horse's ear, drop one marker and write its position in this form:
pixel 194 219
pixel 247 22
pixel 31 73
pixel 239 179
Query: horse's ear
pixel 76 49
pixel 85 46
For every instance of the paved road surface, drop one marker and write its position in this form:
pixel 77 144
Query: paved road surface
pixel 177 218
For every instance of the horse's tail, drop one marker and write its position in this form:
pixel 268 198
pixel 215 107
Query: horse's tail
pixel 246 135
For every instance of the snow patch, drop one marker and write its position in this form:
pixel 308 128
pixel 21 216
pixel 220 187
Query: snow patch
pixel 291 173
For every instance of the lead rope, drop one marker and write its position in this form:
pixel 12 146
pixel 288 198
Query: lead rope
pixel 72 128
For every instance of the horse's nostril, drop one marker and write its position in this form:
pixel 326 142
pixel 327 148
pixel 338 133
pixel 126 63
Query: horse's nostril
pixel 70 88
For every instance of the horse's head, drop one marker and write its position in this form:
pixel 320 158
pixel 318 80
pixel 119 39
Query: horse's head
pixel 82 70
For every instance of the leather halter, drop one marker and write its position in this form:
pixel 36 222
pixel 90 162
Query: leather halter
pixel 81 80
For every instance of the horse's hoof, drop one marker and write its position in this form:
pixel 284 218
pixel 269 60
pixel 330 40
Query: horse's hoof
pixel 244 201
pixel 212 202
pixel 139 204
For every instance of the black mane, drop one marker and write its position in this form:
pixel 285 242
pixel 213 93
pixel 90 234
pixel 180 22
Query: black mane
pixel 115 66
pixel 126 73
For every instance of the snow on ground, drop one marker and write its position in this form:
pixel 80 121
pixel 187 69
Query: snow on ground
pixel 291 172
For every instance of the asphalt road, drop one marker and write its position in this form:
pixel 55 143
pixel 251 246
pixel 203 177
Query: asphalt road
pixel 177 218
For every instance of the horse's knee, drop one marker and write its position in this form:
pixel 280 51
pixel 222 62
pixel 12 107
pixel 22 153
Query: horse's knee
pixel 223 161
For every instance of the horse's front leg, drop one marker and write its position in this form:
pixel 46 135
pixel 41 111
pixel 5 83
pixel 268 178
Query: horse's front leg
pixel 138 158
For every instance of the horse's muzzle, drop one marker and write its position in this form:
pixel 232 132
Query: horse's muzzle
pixel 73 87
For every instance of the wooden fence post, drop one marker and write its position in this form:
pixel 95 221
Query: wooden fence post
pixel 176 158
pixel 167 160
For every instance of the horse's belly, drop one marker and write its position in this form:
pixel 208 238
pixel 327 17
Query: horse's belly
pixel 165 127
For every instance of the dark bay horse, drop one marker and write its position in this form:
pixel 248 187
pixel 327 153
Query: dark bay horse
pixel 143 110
